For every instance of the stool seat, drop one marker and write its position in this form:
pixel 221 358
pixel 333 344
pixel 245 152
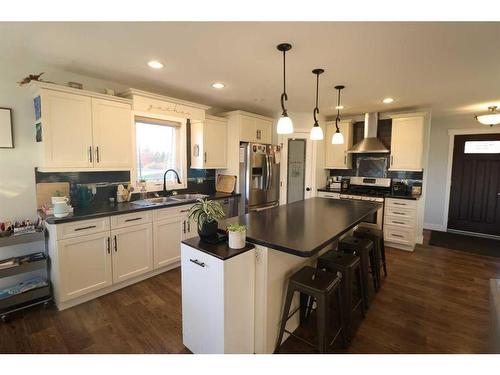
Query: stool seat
pixel 342 260
pixel 315 280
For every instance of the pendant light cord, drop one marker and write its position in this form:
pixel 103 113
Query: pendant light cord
pixel 284 96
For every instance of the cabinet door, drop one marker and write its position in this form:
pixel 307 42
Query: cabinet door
pixel 263 130
pixel 66 130
pixel 247 129
pixel 215 144
pixel 167 241
pixel 112 134
pixel 336 156
pixel 190 229
pixel 84 264
pixel 407 139
pixel 202 301
pixel 132 251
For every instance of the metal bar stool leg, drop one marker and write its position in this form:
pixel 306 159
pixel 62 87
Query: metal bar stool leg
pixel 284 318
pixel 321 311
pixel 362 293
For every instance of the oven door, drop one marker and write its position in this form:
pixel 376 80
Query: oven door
pixel 374 220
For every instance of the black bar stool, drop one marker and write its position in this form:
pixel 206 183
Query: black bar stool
pixel 363 247
pixel 349 266
pixel 321 286
pixel 377 236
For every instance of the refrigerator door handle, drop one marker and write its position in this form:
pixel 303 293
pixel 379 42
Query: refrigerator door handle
pixel 268 173
pixel 270 169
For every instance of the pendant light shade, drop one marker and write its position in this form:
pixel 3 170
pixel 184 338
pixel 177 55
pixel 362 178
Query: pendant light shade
pixel 338 138
pixel 316 131
pixel 491 118
pixel 285 124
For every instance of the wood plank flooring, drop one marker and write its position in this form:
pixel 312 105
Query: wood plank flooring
pixel 434 300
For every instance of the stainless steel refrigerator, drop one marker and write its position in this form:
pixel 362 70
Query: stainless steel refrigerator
pixel 259 176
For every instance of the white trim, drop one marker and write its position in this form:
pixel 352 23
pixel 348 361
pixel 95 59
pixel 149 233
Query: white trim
pixel 131 92
pixel 451 144
pixel 438 227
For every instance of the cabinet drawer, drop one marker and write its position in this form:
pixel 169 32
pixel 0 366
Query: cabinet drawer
pixel 81 228
pixel 400 212
pixel 128 220
pixel 324 194
pixel 401 203
pixel 399 221
pixel 399 235
pixel 166 213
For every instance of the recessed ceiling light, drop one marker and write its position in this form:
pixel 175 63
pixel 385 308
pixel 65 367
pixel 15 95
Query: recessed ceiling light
pixel 388 100
pixel 155 64
pixel 218 85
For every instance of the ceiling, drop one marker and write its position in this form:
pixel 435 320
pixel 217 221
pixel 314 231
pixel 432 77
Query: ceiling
pixel 449 67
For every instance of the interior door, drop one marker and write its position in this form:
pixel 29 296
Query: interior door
pixel 296 168
pixel 475 184
pixel 112 134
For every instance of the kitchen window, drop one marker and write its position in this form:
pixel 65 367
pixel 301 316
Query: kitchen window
pixel 482 147
pixel 160 145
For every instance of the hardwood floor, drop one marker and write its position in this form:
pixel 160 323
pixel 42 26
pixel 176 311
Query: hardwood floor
pixel 434 300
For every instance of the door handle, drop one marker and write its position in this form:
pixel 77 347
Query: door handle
pixel 197 262
pixel 116 245
pixel 97 158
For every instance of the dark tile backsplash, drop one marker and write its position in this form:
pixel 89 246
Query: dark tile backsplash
pixel 83 177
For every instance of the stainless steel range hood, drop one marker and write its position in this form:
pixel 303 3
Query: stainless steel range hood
pixel 370 144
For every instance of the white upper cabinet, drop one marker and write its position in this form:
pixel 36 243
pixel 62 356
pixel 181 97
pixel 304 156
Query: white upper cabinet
pixel 65 136
pixel 209 143
pixel 336 156
pixel 112 134
pixel 80 130
pixel 249 127
pixel 407 143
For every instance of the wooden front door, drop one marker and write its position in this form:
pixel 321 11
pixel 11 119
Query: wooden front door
pixel 475 184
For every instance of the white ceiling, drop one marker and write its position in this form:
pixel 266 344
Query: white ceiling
pixel 450 67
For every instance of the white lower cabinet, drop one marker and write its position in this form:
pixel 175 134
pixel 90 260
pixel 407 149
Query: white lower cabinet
pixel 400 223
pixel 167 235
pixel 217 302
pixel 84 265
pixel 132 251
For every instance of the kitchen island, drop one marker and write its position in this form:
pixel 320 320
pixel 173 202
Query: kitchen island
pixel 286 238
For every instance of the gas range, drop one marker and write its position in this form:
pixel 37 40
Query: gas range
pixel 367 189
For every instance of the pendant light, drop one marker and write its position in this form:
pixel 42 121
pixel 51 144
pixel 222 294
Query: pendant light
pixel 285 125
pixel 316 131
pixel 491 118
pixel 338 138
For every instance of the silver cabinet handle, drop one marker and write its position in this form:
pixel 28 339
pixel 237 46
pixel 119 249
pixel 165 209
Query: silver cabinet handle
pixel 197 262
pixel 116 245
pixel 97 158
pixel 397 235
pixel 134 219
pixel 400 204
pixel 398 213
pixel 185 210
pixel 90 154
pixel 183 227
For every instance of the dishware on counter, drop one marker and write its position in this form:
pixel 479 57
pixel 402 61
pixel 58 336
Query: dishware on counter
pixel 237 235
pixel 416 188
pixel 85 195
pixel 61 209
pixel 400 188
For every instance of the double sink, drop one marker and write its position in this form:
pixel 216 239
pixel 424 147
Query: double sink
pixel 165 201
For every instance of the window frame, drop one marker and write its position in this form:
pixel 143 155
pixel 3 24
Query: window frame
pixel 181 151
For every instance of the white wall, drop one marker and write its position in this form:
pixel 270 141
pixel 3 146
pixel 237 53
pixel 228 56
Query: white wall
pixel 438 165
pixel 17 165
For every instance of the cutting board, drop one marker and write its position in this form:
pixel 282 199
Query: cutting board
pixel 225 183
pixel 46 190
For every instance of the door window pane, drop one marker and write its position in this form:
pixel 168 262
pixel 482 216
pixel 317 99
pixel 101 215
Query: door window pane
pixel 482 147
pixel 296 170
pixel 156 150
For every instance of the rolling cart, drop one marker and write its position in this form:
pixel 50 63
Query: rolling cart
pixel 30 291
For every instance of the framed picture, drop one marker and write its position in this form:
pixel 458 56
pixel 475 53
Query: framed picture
pixel 6 137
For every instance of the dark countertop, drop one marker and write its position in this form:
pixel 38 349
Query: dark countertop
pixel 303 228
pixel 111 209
pixel 221 250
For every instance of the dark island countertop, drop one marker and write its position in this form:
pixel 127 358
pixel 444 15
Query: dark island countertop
pixel 220 250
pixel 303 228
pixel 111 209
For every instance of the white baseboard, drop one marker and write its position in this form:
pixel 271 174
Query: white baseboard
pixel 438 227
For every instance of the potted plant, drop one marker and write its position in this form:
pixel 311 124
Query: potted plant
pixel 206 213
pixel 237 236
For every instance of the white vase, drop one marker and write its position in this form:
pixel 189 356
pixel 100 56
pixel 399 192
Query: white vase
pixel 237 240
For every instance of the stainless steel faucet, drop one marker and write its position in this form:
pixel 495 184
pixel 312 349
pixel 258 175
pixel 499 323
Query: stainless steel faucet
pixel 165 181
